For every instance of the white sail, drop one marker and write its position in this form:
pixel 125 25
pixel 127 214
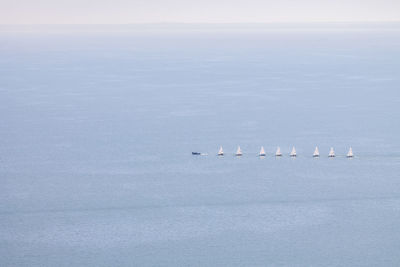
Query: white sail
pixel 293 153
pixel 350 153
pixel 331 153
pixel 316 152
pixel 278 152
pixel 220 151
pixel 238 151
pixel 262 151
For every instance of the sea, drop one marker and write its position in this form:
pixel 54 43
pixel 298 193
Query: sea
pixel 98 123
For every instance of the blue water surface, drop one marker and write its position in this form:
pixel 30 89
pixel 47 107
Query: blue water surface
pixel 97 129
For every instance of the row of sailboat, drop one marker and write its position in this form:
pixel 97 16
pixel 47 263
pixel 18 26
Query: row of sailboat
pixel 293 153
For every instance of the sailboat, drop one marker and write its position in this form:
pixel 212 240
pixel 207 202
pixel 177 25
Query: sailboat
pixel 262 152
pixel 316 152
pixel 293 153
pixel 331 153
pixel 278 152
pixel 350 153
pixel 220 151
pixel 239 151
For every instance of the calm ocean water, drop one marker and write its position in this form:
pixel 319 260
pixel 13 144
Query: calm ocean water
pixel 97 129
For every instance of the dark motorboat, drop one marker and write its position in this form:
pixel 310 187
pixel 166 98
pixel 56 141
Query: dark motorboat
pixel 196 153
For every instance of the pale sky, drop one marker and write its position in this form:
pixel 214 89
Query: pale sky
pixel 194 11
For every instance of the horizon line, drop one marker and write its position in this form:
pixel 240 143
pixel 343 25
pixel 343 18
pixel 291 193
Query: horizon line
pixel 202 23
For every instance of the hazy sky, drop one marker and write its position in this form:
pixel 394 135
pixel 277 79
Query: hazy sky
pixel 193 11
